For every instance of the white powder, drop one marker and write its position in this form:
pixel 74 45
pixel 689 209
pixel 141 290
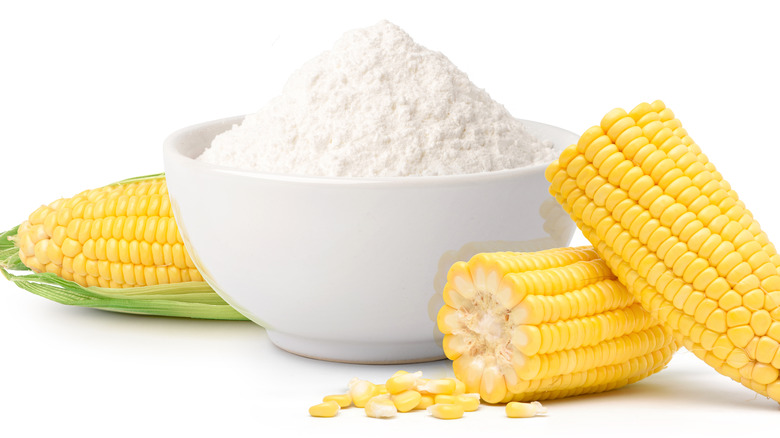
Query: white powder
pixel 378 104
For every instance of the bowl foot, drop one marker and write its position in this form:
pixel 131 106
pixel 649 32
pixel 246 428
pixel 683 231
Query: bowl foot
pixel 359 352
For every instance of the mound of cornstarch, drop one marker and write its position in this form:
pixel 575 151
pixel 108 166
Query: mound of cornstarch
pixel 378 104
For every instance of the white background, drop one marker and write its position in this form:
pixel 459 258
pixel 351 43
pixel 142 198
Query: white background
pixel 89 90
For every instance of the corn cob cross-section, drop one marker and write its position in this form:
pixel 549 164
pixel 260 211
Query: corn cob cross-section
pixel 676 234
pixel 548 324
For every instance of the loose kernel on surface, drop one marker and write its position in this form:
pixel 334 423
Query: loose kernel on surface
pixel 361 391
pixel 524 410
pixel 325 409
pixel 381 406
pixel 470 402
pixel 406 401
pixel 343 400
pixel 436 386
pixel 425 401
pixel 446 411
pixel 402 381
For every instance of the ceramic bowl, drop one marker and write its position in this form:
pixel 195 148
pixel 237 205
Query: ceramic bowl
pixel 351 269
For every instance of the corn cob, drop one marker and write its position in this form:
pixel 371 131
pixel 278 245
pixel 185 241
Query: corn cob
pixel 548 324
pixel 102 241
pixel 676 234
pixel 115 236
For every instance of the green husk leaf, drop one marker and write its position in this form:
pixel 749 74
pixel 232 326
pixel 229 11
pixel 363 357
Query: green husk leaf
pixel 194 299
pixel 9 253
pixel 138 179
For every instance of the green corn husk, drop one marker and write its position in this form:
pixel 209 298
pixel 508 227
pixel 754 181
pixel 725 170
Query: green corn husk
pixel 194 299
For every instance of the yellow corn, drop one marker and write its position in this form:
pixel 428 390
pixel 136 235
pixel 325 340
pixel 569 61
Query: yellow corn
pixel 361 391
pixel 549 324
pixel 470 402
pixel 343 400
pixel 381 406
pixel 425 401
pixel 325 409
pixel 676 234
pixel 118 236
pixel 401 382
pixel 446 411
pixel 407 400
pixel 524 410
pixel 436 386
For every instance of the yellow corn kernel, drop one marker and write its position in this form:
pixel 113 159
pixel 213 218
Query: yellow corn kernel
pixel 324 409
pixel 100 226
pixel 343 400
pixel 436 386
pixel 444 399
pixel 361 391
pixel 524 410
pixel 425 401
pixel 446 411
pixel 404 381
pixel 469 402
pixel 381 406
pixel 460 387
pixel 548 324
pixel 678 237
pixel 407 400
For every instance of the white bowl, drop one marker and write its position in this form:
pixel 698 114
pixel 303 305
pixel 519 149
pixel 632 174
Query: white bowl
pixel 351 269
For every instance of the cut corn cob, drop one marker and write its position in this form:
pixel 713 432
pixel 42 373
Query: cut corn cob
pixel 102 241
pixel 549 324
pixel 676 234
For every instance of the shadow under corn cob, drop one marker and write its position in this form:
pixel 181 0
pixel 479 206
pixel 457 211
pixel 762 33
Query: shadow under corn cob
pixel 115 248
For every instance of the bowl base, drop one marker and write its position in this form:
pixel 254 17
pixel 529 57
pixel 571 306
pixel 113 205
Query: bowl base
pixel 358 352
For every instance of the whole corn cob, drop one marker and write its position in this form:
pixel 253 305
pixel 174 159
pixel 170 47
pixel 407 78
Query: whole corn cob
pixel 548 324
pixel 676 234
pixel 87 249
pixel 116 236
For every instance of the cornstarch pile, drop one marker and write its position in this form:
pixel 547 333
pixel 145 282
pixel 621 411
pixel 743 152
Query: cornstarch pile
pixel 378 104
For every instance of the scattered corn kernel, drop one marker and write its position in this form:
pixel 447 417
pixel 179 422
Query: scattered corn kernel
pixel 524 410
pixel 401 382
pixel 361 391
pixel 343 400
pixel 407 400
pixel 436 386
pixel 324 409
pixel 470 402
pixel 444 399
pixel 425 401
pixel 381 406
pixel 460 387
pixel 446 411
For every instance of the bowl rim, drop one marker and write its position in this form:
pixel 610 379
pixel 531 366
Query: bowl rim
pixel 171 143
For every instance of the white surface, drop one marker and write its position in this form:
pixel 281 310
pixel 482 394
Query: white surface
pixel 347 246
pixel 89 91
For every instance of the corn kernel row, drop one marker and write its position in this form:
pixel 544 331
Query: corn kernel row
pixel 121 235
pixel 547 324
pixel 662 217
